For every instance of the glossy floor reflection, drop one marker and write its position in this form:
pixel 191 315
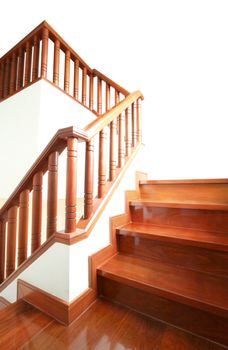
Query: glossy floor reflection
pixel 104 326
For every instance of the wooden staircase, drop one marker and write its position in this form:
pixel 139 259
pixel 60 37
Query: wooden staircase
pixel 172 261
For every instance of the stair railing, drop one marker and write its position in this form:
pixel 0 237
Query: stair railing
pixel 43 54
pixel 123 123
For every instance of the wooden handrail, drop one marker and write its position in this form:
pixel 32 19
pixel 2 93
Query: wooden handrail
pixel 19 69
pixel 121 117
pixel 105 119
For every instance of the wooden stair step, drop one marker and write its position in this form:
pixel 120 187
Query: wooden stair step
pixel 203 291
pixel 180 235
pixel 183 204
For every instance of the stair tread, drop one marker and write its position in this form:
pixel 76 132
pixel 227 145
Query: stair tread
pixel 183 181
pixel 188 204
pixel 207 291
pixel 207 239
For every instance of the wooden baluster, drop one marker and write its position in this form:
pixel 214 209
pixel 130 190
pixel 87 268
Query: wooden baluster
pixel 20 79
pixel 71 185
pixel 107 97
pixel 133 125
pixel 102 165
pixel 89 179
pixel 99 96
pixel 13 74
pixel 6 78
pixel 35 64
pixel 112 161
pixel 112 153
pixel 91 92
pixel 117 100
pixel 127 132
pixel 11 240
pixel 121 151
pixel 44 54
pixel 28 63
pixel 23 227
pixel 67 72
pixel 37 210
pixel 2 249
pixel 1 80
pixel 76 78
pixel 139 120
pixel 52 193
pixel 84 85
pixel 56 62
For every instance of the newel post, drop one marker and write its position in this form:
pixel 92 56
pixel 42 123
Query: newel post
pixel 71 185
pixel 44 56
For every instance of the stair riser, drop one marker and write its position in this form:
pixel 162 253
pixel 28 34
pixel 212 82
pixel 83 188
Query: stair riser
pixel 195 258
pixel 207 193
pixel 186 317
pixel 210 220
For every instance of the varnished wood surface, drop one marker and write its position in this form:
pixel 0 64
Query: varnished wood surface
pixel 203 291
pixel 105 326
pixel 199 219
pixel 182 316
pixel 197 192
pixel 189 257
pixel 183 236
pixel 3 303
pixel 186 204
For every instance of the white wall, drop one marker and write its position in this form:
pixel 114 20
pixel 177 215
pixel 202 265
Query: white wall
pixel 63 270
pixel 28 121
pixel 174 51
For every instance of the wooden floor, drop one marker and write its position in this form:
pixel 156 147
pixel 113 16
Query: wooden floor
pixel 104 326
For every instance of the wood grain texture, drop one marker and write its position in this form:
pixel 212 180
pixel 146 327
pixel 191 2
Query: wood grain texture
pixel 57 308
pixel 56 62
pixel 11 240
pixel 36 57
pixel 193 288
pixel 172 312
pixel 2 249
pixel 52 193
pixel 3 303
pixel 71 185
pixel 98 328
pixel 183 255
pixel 186 191
pixel 199 219
pixel 23 227
pixel 36 211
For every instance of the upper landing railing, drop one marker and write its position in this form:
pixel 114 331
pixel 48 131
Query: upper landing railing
pixel 43 54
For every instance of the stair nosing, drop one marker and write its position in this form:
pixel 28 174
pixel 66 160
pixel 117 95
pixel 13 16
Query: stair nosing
pixel 122 231
pixel 183 205
pixel 165 292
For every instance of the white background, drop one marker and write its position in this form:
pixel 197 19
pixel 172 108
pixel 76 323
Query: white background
pixel 175 52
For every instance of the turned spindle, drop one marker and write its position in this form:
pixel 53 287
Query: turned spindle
pixel 56 62
pixel 11 240
pixel 6 78
pixel 44 53
pixel 20 79
pixel 139 119
pixel 13 69
pixel 91 91
pixel 1 80
pixel 2 249
pixel 89 177
pixel 133 124
pixel 99 96
pixel 102 164
pixel 127 132
pixel 23 227
pixel 71 185
pixel 76 78
pixel 52 199
pixel 67 72
pixel 121 150
pixel 28 63
pixel 36 54
pixel 84 86
pixel 37 211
